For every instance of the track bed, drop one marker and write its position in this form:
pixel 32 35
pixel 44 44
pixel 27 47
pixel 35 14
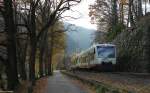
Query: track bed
pixel 137 82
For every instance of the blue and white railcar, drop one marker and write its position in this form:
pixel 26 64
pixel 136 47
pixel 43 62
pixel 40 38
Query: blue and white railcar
pixel 97 55
pixel 105 54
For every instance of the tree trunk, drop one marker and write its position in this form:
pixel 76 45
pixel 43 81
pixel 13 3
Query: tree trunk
pixel 33 42
pixel 42 50
pixel 11 65
pixel 130 14
pixel 50 54
pixel 145 6
pixel 121 14
pixel 114 13
pixel 140 11
pixel 41 64
pixel 22 65
pixel 46 59
pixel 32 61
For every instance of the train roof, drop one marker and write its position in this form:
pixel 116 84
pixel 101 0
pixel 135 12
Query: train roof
pixel 93 46
pixel 105 44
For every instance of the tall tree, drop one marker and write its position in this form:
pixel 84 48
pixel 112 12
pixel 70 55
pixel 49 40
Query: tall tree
pixel 114 14
pixel 140 10
pixel 11 30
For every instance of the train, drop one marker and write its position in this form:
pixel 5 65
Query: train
pixel 97 57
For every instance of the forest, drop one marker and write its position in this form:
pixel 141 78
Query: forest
pixel 125 23
pixel 31 33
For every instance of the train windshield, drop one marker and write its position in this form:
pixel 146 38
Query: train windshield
pixel 106 51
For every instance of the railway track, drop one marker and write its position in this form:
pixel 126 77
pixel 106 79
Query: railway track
pixel 130 74
pixel 137 75
pixel 98 85
pixel 135 82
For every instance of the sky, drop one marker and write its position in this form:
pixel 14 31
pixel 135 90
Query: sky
pixel 80 12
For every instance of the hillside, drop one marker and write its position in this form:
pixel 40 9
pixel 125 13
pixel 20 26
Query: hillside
pixel 79 40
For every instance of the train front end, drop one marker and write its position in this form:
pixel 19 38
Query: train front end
pixel 106 56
